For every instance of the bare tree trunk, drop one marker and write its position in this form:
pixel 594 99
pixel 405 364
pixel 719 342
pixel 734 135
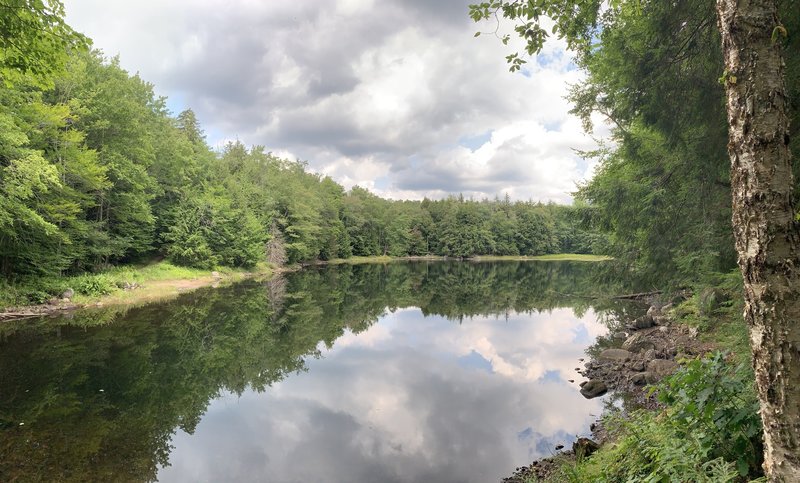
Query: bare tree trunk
pixel 766 233
pixel 276 246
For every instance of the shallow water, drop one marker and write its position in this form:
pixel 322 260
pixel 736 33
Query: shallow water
pixel 420 371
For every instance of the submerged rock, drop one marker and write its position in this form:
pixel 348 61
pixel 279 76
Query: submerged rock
pixel 593 388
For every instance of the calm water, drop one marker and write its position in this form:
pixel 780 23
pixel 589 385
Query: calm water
pixel 430 372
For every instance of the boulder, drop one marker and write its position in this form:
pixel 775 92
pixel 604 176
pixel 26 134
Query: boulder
pixel 615 355
pixel 649 355
pixel 662 367
pixel 643 322
pixel 53 301
pixel 662 320
pixel 654 311
pixel 584 447
pixel 640 378
pixel 593 388
pixel 638 343
pixel 68 294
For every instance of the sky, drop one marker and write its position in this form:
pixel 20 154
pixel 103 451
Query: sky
pixel 396 96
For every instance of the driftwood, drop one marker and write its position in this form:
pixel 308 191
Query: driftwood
pixel 19 315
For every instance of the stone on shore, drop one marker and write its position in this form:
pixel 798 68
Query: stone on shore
pixel 662 367
pixel 593 388
pixel 615 355
pixel 638 343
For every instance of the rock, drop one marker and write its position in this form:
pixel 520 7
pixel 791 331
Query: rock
pixel 649 355
pixel 665 309
pixel 654 311
pixel 593 388
pixel 65 300
pixel 570 380
pixel 643 322
pixel 559 447
pixel 662 320
pixel 583 383
pixel 53 301
pixel 637 365
pixel 584 447
pixel 619 335
pixel 639 379
pixel 68 294
pixel 615 355
pixel 662 367
pixel 215 275
pixel 638 343
pixel 129 285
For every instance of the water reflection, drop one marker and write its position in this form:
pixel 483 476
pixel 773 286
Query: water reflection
pixel 464 388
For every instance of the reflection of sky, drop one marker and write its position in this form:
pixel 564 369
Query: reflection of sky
pixel 412 398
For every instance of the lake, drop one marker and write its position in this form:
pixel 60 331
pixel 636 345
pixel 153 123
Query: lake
pixel 407 372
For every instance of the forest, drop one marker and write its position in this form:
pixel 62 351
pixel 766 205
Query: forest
pixel 97 172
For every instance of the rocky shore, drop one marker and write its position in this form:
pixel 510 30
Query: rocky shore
pixel 647 350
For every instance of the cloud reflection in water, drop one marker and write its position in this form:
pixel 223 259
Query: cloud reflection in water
pixel 412 398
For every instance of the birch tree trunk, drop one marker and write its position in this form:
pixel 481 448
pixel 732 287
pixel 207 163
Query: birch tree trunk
pixel 766 233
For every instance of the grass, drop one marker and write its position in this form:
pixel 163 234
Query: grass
pixel 154 281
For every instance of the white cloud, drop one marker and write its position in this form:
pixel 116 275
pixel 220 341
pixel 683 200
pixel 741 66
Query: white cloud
pixel 366 91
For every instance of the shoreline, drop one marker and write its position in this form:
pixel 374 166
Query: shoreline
pixel 556 257
pixel 136 293
pixel 142 289
pixel 642 353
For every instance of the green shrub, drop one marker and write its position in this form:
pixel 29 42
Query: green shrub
pixel 37 296
pixel 94 285
pixel 716 403
pixel 708 431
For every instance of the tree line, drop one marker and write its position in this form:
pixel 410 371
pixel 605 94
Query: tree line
pixel 95 171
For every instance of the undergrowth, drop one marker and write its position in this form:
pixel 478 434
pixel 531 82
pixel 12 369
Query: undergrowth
pixel 709 430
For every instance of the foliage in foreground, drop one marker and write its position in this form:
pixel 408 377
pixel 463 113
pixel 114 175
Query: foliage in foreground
pixel 709 431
